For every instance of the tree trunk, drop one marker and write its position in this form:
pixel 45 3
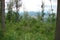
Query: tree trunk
pixel 3 15
pixel 0 11
pixel 57 37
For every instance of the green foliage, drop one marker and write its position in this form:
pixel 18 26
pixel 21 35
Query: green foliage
pixel 29 28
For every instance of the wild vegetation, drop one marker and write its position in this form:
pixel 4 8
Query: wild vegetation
pixel 26 27
pixel 29 28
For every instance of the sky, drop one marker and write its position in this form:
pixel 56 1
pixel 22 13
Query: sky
pixel 35 5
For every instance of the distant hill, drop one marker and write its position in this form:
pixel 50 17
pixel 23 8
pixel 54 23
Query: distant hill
pixel 33 13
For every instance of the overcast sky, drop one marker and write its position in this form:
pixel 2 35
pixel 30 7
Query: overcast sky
pixel 35 5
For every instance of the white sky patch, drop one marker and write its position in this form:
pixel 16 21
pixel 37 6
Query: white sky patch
pixel 35 5
pixel 32 5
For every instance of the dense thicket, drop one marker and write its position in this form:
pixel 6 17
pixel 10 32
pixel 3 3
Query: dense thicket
pixel 30 28
pixel 27 27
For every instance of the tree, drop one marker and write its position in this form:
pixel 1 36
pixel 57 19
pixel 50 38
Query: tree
pixel 17 5
pixel 3 15
pixel 0 11
pixel 51 6
pixel 51 16
pixel 42 6
pixel 10 7
pixel 57 36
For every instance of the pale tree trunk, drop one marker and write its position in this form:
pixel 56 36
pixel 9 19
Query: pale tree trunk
pixel 51 6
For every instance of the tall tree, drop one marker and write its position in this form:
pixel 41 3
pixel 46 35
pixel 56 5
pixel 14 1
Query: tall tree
pixel 0 11
pixel 17 4
pixel 57 37
pixel 42 6
pixel 51 15
pixel 51 6
pixel 10 7
pixel 3 15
